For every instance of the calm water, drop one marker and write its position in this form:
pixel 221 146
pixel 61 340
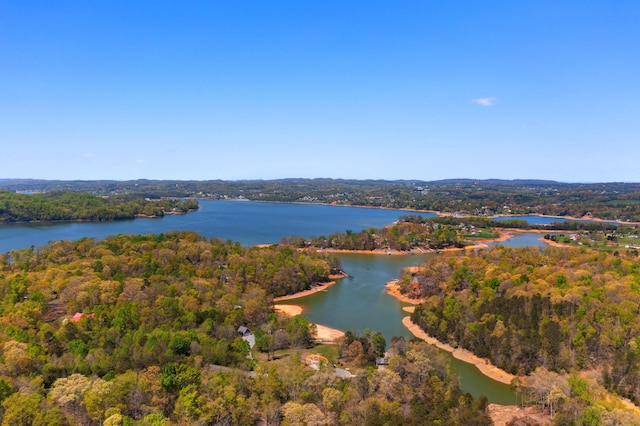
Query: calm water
pixel 246 222
pixel 532 219
pixel 522 239
pixel 361 302
pixel 354 303
pixel 543 220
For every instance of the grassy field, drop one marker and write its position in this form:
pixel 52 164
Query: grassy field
pixel 282 357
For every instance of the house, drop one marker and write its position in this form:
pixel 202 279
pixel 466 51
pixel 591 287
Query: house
pixel 244 331
pixel 382 361
pixel 315 361
pixel 248 337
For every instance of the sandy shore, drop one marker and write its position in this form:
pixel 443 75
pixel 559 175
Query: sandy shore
pixel 323 333
pixel 291 310
pixel 483 365
pixel 327 334
pixel 553 243
pixel 505 235
pixel 377 251
pixel 393 289
pixel 304 293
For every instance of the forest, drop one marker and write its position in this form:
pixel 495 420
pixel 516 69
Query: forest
pixel 79 206
pixel 466 197
pixel 144 330
pixel 533 311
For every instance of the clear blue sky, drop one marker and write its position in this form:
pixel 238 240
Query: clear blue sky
pixel 344 89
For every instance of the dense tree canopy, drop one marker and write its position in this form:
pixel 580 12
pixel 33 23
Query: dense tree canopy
pixel 562 309
pixel 143 329
pixel 76 206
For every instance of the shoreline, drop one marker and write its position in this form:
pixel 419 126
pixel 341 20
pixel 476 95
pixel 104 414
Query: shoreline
pixel 505 234
pixel 324 334
pixel 316 289
pixel 441 213
pixel 554 243
pixel 375 251
pixel 569 218
pixel 482 364
pixel 393 290
pixel 291 310
pixel 327 335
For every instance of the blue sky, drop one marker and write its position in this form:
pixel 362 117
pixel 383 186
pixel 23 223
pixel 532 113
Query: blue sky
pixel 343 89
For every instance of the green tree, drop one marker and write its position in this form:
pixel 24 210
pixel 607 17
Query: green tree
pixel 300 331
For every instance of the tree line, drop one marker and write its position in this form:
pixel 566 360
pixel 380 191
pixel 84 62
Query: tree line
pixel 78 206
pixel 611 201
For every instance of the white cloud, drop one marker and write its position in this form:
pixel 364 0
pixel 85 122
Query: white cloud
pixel 484 101
pixel 139 161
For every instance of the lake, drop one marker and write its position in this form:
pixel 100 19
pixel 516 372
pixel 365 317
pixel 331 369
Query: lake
pixel 249 223
pixel 355 303
pixel 544 220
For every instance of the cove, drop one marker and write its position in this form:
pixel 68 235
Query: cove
pixel 360 302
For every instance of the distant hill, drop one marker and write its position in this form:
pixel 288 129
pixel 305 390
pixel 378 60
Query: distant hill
pixel 538 182
pixel 473 197
pixel 116 185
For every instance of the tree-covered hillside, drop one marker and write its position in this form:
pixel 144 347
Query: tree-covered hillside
pixel 564 310
pixel 78 206
pixel 143 330
pixel 612 201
